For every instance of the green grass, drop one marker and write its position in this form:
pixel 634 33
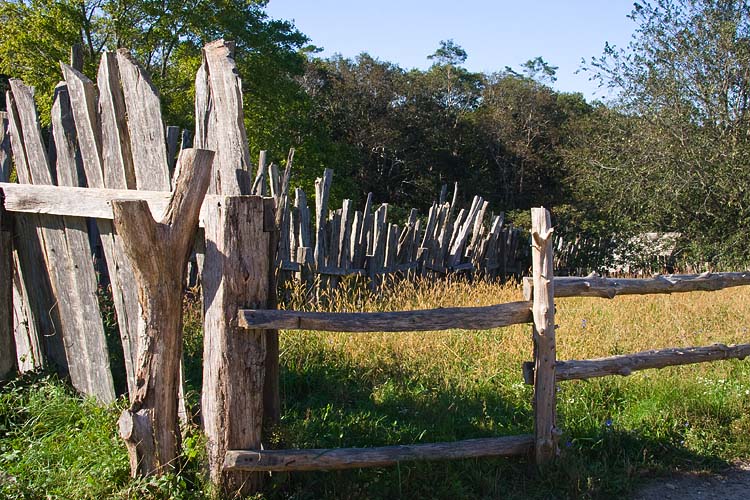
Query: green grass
pixel 381 389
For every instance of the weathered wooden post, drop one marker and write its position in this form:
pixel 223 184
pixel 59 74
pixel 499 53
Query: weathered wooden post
pixel 545 427
pixel 159 253
pixel 8 364
pixel 235 274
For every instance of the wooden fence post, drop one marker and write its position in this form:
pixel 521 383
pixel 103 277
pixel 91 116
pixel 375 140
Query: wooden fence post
pixel 235 275
pixel 8 364
pixel 545 428
pixel 159 253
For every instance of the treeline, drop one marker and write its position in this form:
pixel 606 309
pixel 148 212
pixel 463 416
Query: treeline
pixel 670 153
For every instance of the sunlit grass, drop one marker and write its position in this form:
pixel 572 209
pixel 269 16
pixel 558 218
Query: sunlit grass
pixel 370 389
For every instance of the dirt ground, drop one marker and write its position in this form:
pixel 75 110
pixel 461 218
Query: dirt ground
pixel 731 484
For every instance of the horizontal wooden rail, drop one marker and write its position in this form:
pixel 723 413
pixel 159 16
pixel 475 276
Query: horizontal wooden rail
pixel 465 318
pixel 628 363
pixel 350 458
pixel 83 202
pixel 597 286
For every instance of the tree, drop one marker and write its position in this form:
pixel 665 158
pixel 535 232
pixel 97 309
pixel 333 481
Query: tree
pixel 166 37
pixel 675 151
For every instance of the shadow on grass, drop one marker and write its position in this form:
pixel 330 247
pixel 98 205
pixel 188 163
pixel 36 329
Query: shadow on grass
pixel 332 403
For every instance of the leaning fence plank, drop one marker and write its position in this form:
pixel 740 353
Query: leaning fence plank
pixel 108 162
pixel 145 126
pixel 348 458
pixel 8 365
pixel 236 272
pixel 29 237
pixel 464 318
pixel 545 426
pixel 82 97
pixel 5 158
pixel 322 190
pixel 8 360
pixel 84 335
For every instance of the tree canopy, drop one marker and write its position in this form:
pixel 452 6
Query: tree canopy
pixel 671 152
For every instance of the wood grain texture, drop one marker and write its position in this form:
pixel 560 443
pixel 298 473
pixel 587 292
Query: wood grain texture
pixel 8 355
pixel 82 202
pixel 626 364
pixel 5 153
pixel 220 124
pixel 350 458
pixel 72 270
pixel 104 145
pixel 322 191
pixel 28 237
pixel 116 155
pixel 236 272
pixel 598 286
pixel 8 363
pixel 159 253
pixel 545 411
pixel 28 346
pixel 145 125
pixel 82 97
pixel 464 318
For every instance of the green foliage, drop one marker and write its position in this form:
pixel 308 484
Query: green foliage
pixel 674 154
pixel 35 36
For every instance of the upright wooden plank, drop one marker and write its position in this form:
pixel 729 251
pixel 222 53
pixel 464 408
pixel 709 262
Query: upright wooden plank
pixel 219 119
pixel 376 260
pixel 8 355
pixel 260 187
pixel 116 157
pixel 85 341
pixel 108 162
pixel 391 247
pixel 366 231
pixel 8 364
pixel 322 191
pixel 5 155
pixel 26 338
pixel 145 126
pixel 274 179
pixel 356 251
pixel 236 272
pixel 300 202
pixel 82 97
pixel 29 242
pixel 543 310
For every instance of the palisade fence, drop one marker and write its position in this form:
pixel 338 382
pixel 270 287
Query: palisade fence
pixel 113 144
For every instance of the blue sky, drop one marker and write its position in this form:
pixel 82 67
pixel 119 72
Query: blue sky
pixel 494 34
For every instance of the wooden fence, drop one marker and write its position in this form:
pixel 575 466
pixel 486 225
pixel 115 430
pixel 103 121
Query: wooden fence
pixel 49 312
pixel 349 242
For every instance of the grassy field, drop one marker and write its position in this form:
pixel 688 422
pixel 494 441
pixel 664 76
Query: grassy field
pixel 378 389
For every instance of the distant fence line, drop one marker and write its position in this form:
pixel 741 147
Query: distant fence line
pixel 349 242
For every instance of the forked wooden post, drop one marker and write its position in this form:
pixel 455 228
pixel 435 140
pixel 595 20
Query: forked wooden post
pixel 159 253
pixel 545 413
pixel 235 274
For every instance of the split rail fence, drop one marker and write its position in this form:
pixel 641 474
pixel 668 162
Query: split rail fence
pixel 49 311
